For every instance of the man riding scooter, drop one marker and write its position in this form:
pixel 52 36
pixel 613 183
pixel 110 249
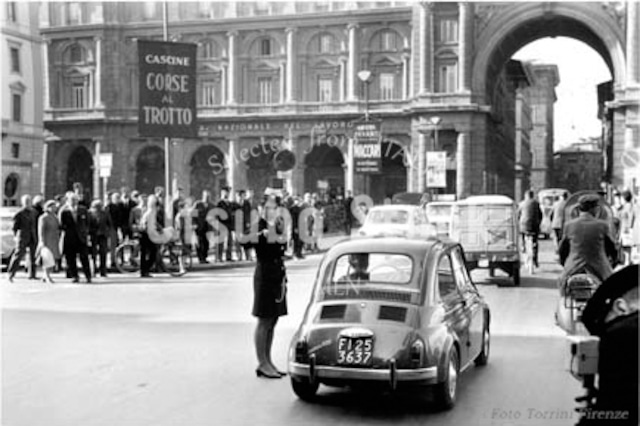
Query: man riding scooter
pixel 585 252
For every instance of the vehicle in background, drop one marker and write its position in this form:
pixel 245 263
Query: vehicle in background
pixel 400 220
pixel 391 314
pixel 546 198
pixel 440 215
pixel 487 228
pixel 412 198
pixel 6 233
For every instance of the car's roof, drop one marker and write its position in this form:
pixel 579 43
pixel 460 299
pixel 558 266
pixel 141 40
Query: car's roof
pixel 487 199
pixel 386 244
pixel 441 203
pixel 394 207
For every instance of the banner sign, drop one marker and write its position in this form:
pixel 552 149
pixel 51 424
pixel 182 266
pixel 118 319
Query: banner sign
pixel 367 148
pixel 436 169
pixel 167 87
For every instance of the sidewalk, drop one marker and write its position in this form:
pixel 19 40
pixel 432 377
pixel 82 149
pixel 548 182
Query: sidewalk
pixel 324 244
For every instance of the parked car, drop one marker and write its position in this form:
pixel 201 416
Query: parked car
pixel 487 228
pixel 440 215
pixel 397 220
pixel 6 233
pixel 393 313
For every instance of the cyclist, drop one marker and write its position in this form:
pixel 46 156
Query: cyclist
pixel 587 243
pixel 529 218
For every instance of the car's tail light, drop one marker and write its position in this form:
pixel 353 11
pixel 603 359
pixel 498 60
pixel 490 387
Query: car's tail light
pixel 302 351
pixel 417 354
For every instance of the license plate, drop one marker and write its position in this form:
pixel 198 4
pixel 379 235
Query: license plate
pixel 483 263
pixel 355 350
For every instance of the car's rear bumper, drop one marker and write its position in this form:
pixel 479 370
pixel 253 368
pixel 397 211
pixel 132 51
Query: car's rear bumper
pixel 427 375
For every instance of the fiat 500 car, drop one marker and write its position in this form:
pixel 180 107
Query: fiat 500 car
pixel 392 312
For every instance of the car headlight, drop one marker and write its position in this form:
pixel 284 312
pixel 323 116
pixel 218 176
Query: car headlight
pixel 417 353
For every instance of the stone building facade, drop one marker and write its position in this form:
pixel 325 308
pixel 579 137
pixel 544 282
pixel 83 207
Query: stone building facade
pixel 22 127
pixel 285 74
pixel 579 167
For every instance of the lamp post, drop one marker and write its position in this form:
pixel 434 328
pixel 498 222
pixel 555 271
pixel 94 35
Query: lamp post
pixel 365 78
pixel 435 122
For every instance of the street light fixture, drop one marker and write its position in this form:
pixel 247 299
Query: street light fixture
pixel 365 78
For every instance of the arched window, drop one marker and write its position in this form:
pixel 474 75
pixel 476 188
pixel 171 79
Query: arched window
pixel 76 54
pixel 326 43
pixel 11 184
pixel 266 48
pixel 388 40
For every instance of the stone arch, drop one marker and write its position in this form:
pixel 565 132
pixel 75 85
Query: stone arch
pixel 250 44
pixel 307 38
pixel 87 46
pixel 207 170
pixel 150 168
pixel 324 162
pixel 403 35
pixel 523 23
pixel 393 176
pixel 80 169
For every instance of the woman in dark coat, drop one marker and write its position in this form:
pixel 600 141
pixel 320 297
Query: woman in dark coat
pixel 48 239
pixel 269 286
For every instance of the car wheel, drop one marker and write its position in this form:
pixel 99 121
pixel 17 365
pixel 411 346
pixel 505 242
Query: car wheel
pixel 483 357
pixel 516 274
pixel 304 389
pixel 446 392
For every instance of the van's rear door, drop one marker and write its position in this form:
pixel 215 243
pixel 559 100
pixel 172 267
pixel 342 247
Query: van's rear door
pixel 486 228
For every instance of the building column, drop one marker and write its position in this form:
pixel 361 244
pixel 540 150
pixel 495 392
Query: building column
pixel 47 82
pixel 405 77
pixel 431 34
pixel 465 40
pixel 349 169
pixel 424 49
pixel 633 44
pixel 96 169
pixel 291 71
pixel 282 71
pixel 463 165
pixel 343 79
pixel 297 174
pixel 422 162
pixel 98 79
pixel 231 83
pixel 223 85
pixel 352 63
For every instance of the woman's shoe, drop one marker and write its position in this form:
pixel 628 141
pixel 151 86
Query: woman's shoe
pixel 260 373
pixel 282 373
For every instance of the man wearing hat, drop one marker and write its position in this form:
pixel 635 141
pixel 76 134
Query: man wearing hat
pixel 587 242
pixel 612 315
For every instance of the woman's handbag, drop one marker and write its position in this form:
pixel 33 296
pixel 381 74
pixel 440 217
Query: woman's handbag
pixel 283 290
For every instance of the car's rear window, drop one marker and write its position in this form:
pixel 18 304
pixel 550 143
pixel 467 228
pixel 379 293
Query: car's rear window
pixel 443 210
pixel 384 268
pixel 399 217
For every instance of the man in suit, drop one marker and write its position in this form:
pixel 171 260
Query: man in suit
pixel 26 237
pixel 100 228
pixel 529 218
pixel 202 226
pixel 225 205
pixel 74 221
pixel 587 243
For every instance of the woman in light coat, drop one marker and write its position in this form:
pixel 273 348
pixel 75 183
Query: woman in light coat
pixel 48 240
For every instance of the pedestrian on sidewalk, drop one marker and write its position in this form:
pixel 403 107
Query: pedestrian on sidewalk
pixel 269 287
pixel 48 240
pixel 74 221
pixel 25 235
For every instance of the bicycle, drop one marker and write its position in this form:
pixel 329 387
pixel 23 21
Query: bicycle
pixel 174 257
pixel 529 260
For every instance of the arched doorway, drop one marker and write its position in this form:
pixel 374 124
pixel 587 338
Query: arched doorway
pixel 80 169
pixel 324 163
pixel 207 171
pixel 149 169
pixel 260 171
pixel 393 178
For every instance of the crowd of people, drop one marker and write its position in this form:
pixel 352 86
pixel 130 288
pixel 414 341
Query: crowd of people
pixel 55 233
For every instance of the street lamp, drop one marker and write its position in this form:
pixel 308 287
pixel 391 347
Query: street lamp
pixel 365 78
pixel 435 122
